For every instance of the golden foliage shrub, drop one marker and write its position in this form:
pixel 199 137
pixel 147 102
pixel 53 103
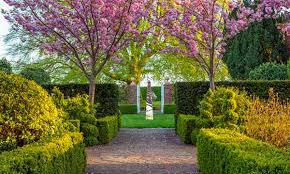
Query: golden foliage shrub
pixel 269 120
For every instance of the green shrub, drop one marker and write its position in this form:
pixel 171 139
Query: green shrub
pixel 269 71
pixel 225 107
pixel 189 94
pixel 27 112
pixel 5 66
pixel 73 125
pixel 91 134
pixel 79 108
pixel 221 151
pixel 108 128
pixel 62 155
pixel 169 108
pixel 106 98
pixel 128 109
pixel 39 75
pixel 187 123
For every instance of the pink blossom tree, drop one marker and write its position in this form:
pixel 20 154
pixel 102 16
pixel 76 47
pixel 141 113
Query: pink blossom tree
pixel 202 27
pixel 85 32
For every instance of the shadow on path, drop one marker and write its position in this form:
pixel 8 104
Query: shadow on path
pixel 143 151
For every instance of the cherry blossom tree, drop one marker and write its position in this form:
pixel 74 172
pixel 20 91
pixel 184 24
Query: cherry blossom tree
pixel 85 32
pixel 202 27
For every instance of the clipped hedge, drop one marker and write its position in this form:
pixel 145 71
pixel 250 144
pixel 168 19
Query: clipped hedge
pixel 128 109
pixel 155 89
pixel 169 108
pixel 108 128
pixel 62 155
pixel 189 94
pixel 186 124
pixel 106 96
pixel 223 151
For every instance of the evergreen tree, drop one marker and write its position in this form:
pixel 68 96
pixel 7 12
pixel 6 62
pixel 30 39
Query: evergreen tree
pixel 261 42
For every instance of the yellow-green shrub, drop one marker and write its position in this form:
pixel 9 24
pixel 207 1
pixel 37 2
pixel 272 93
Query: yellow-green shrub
pixel 269 120
pixel 27 112
pixel 225 107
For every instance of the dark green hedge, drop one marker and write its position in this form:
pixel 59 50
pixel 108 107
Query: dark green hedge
pixel 61 155
pixel 155 89
pixel 169 108
pixel 128 108
pixel 106 96
pixel 188 94
pixel 186 124
pixel 222 151
pixel 108 128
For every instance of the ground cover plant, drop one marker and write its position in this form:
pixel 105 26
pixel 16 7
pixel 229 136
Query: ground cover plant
pixel 139 121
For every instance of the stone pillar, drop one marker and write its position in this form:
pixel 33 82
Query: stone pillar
pixel 162 98
pixel 138 97
pixel 132 94
pixel 168 93
pixel 149 102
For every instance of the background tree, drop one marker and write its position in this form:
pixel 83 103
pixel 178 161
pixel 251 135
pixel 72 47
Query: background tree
pixel 39 75
pixel 129 65
pixel 87 34
pixel 5 65
pixel 202 27
pixel 262 42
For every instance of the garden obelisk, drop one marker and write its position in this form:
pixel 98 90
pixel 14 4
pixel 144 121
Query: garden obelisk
pixel 149 102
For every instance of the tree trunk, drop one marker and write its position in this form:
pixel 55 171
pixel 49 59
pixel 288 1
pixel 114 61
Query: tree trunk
pixel 212 71
pixel 211 81
pixel 92 90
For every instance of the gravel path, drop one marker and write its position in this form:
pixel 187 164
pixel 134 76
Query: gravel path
pixel 143 151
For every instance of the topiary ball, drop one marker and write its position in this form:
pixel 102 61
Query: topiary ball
pixel 27 112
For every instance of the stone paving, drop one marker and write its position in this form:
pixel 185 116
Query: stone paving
pixel 143 151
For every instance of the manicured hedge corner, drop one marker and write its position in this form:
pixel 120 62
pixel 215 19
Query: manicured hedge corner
pixel 186 124
pixel 128 108
pixel 107 96
pixel 62 155
pixel 108 128
pixel 223 151
pixel 169 108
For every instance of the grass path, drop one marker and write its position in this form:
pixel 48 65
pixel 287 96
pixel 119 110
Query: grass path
pixel 139 121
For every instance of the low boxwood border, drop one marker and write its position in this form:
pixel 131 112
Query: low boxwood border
pixel 62 155
pixel 223 151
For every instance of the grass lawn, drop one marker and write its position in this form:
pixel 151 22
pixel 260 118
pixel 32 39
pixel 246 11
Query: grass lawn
pixel 139 121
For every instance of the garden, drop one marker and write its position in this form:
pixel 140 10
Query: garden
pixel 81 79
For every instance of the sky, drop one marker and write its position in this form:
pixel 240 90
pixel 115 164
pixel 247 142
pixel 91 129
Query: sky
pixel 4 27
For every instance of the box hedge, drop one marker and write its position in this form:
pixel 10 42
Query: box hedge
pixel 186 124
pixel 189 94
pixel 222 151
pixel 108 128
pixel 169 108
pixel 62 155
pixel 106 96
pixel 128 108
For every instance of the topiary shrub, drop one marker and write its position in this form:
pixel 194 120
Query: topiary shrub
pixel 225 107
pixel 269 71
pixel 108 128
pixel 27 112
